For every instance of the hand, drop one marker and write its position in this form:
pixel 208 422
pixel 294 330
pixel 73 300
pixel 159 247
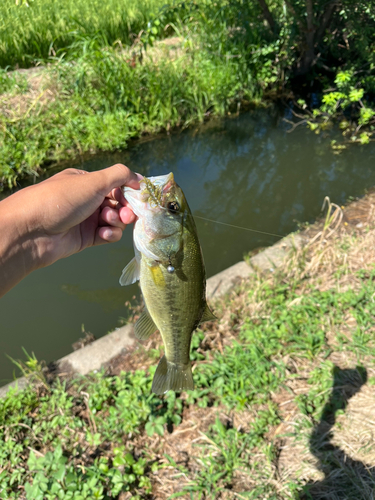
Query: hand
pixel 75 209
pixel 63 215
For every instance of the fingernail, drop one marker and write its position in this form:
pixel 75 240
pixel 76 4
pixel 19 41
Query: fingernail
pixel 113 216
pixel 108 233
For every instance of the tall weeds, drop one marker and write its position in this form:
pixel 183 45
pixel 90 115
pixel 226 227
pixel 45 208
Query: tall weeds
pixel 97 94
pixel 37 29
pixel 103 100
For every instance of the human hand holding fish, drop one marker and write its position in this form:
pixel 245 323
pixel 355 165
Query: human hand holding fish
pixel 169 265
pixel 60 216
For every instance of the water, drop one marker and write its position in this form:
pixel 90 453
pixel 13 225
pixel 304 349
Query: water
pixel 246 171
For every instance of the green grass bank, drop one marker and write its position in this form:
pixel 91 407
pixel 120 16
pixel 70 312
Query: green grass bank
pixel 34 31
pixel 282 409
pixel 101 73
pixel 101 100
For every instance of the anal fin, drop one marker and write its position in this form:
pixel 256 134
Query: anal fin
pixel 144 326
pixel 207 315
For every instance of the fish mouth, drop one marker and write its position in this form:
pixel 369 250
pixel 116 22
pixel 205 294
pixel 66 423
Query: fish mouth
pixel 154 189
pixel 151 194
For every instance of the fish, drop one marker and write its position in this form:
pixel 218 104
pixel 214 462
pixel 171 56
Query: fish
pixel 169 265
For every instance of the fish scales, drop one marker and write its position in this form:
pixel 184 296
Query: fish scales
pixel 174 295
pixel 178 311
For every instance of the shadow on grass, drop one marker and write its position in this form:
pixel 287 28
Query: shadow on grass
pixel 345 478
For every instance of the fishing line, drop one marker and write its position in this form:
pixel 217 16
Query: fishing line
pixel 238 227
pixel 227 224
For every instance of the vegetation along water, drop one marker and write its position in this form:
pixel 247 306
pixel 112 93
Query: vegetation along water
pixel 120 69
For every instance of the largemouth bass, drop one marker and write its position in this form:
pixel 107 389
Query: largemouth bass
pixel 169 264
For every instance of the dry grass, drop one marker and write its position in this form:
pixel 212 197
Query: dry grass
pixel 341 465
pixel 338 247
pixel 343 243
pixel 41 90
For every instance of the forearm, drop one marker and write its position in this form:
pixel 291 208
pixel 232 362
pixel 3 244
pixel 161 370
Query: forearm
pixel 17 250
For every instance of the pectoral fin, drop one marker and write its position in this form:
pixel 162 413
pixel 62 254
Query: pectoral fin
pixel 208 315
pixel 145 326
pixel 131 273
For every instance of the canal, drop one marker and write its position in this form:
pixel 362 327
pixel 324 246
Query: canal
pixel 246 171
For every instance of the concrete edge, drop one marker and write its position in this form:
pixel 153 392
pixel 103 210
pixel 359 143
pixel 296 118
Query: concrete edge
pixel 93 356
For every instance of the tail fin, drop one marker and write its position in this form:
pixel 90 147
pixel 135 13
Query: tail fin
pixel 172 377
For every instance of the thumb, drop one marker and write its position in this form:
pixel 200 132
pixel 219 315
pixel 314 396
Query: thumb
pixel 116 176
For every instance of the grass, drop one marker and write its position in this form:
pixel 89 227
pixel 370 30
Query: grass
pixel 283 404
pixel 100 101
pixel 102 78
pixel 36 30
pixel 97 92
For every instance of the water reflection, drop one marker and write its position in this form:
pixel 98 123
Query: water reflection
pixel 246 171
pixel 109 299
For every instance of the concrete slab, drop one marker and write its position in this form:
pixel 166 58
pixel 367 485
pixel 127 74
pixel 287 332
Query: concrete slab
pixel 20 384
pixel 89 358
pixel 93 356
pixel 272 257
pixel 266 260
pixel 222 282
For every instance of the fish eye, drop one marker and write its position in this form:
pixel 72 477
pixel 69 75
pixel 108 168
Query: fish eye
pixel 173 207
